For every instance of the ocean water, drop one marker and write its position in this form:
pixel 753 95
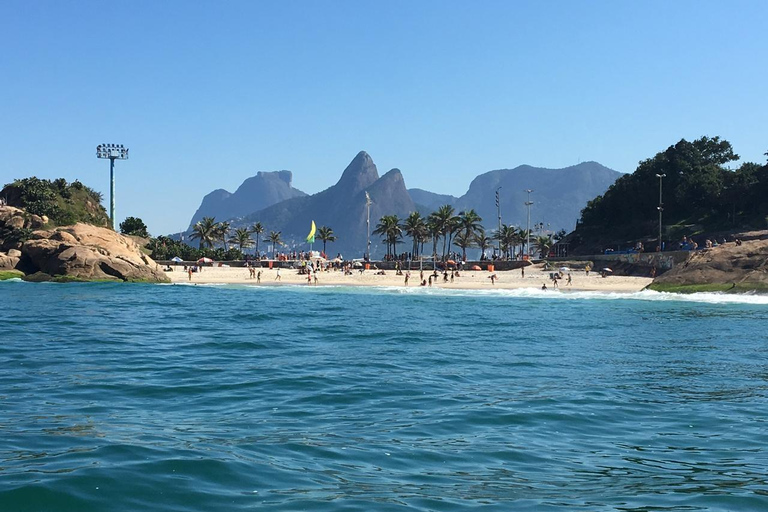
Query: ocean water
pixel 186 398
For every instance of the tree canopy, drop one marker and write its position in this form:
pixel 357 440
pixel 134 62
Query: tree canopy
pixel 697 188
pixel 134 226
pixel 63 203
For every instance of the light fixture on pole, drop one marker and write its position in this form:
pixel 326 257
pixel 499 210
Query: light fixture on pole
pixel 661 206
pixel 113 152
pixel 368 226
pixel 528 203
pixel 498 211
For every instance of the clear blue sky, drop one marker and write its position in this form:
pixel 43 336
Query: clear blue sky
pixel 207 93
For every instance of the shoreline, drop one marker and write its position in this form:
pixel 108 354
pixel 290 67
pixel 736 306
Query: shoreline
pixel 534 278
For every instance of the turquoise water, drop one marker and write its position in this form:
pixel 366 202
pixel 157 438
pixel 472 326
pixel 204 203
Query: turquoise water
pixel 182 398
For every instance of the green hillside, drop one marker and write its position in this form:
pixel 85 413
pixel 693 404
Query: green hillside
pixel 702 195
pixel 63 203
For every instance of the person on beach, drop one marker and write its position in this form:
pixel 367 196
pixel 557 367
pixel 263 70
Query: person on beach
pixel 421 275
pixel 587 269
pixel 554 281
pixel 407 276
pixel 493 278
pixel 315 277
pixel 258 277
pixel 423 283
pixel 189 271
pixel 544 286
pixel 277 277
pixel 568 281
pixel 430 280
pixel 522 272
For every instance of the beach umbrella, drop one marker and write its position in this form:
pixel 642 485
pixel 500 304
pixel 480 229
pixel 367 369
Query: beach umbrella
pixel 564 269
pixel 606 269
pixel 357 264
pixel 451 262
pixel 176 259
pixel 205 260
pixel 476 267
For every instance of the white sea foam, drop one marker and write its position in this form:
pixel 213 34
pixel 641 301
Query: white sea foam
pixel 536 293
pixel 532 293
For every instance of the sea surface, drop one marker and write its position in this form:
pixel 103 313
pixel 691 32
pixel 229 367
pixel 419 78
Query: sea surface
pixel 187 398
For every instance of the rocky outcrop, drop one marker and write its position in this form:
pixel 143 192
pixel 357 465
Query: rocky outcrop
pixel 254 194
pixel 85 252
pixel 727 267
pixel 81 252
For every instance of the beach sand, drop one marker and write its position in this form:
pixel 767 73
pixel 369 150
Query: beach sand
pixel 535 277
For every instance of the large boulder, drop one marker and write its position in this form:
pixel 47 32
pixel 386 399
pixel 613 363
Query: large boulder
pixel 85 252
pixel 16 218
pixel 8 261
pixel 727 267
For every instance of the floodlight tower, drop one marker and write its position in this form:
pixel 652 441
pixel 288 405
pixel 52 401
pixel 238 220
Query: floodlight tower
pixel 113 152
pixel 528 203
pixel 498 212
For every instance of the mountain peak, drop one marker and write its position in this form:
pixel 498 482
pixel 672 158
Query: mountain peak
pixel 360 173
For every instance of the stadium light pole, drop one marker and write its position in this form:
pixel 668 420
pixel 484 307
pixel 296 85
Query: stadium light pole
pixel 661 205
pixel 528 203
pixel 498 212
pixel 113 152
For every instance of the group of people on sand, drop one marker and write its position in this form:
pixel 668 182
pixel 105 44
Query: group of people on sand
pixel 556 277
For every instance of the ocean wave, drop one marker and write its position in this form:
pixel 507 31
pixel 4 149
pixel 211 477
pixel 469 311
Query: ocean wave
pixel 533 293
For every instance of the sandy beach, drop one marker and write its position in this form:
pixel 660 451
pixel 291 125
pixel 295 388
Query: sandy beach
pixel 535 277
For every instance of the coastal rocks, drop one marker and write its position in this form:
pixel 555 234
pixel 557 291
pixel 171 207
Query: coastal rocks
pixel 15 218
pixel 727 267
pixel 88 253
pixel 8 262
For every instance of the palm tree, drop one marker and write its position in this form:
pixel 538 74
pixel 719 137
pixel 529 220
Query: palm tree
pixel 326 235
pixel 274 237
pixel 415 226
pixel 444 220
pixel 468 224
pixel 257 229
pixel 222 232
pixel 205 231
pixel 482 241
pixel 463 240
pixel 543 243
pixel 506 238
pixel 242 238
pixel 389 227
pixel 433 228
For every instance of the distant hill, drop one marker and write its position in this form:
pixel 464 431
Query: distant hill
pixel 342 207
pixel 430 200
pixel 256 193
pixel 558 195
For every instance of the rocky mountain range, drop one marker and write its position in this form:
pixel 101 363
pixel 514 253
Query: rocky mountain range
pixel 558 197
pixel 342 207
pixel 256 193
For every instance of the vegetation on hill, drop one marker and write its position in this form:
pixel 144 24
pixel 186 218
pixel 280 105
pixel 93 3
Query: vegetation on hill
pixel 701 194
pixel 134 226
pixel 63 203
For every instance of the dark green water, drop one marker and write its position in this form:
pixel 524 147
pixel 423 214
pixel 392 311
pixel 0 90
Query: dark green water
pixel 186 398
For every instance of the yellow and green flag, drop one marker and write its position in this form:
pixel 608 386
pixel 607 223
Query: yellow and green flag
pixel 311 235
